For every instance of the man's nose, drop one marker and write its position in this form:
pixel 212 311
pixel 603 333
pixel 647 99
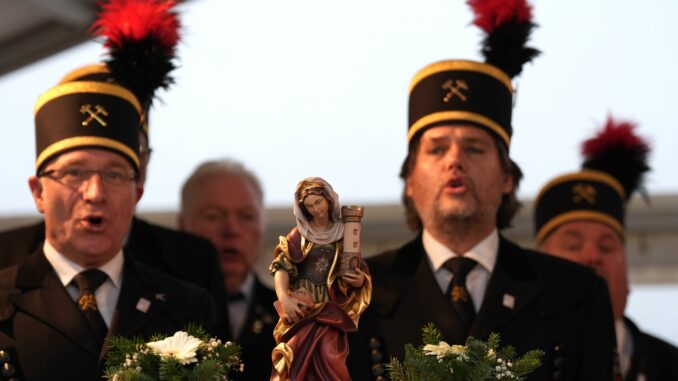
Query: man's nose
pixel 454 157
pixel 590 255
pixel 230 225
pixel 94 188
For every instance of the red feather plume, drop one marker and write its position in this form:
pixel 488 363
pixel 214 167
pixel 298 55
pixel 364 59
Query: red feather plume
pixel 614 134
pixel 135 20
pixel 617 150
pixel 141 37
pixel 489 14
pixel 508 25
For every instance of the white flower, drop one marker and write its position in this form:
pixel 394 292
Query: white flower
pixel 443 349
pixel 181 346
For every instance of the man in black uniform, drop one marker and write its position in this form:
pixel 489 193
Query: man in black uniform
pixel 141 50
pixel 182 255
pixel 223 201
pixel 580 216
pixel 60 302
pixel 459 272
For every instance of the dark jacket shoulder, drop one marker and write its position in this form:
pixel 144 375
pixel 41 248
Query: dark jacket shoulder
pixel 17 243
pixel 571 282
pixel 151 237
pixel 652 357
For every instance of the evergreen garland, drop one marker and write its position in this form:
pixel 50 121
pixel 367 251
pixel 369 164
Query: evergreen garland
pixel 132 360
pixel 478 360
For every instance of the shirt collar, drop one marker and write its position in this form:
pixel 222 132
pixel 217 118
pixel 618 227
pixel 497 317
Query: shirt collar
pixel 247 286
pixel 485 252
pixel 66 269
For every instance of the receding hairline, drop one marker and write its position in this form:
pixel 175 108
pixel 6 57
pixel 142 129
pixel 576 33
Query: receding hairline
pixel 222 167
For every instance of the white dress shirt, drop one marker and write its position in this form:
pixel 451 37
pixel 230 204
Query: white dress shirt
pixel 485 253
pixel 106 295
pixel 237 309
pixel 624 345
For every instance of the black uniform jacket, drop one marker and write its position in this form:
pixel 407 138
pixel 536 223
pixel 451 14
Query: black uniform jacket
pixel 534 301
pixel 653 359
pixel 47 337
pixel 182 255
pixel 256 335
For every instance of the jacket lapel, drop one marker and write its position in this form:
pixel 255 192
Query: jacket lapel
pixel 513 285
pixel 432 305
pixel 425 296
pixel 44 298
pixel 139 303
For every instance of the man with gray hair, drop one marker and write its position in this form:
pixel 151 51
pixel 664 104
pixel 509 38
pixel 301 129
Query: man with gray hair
pixel 222 201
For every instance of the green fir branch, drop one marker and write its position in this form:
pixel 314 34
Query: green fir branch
pixel 132 360
pixel 430 334
pixel 477 360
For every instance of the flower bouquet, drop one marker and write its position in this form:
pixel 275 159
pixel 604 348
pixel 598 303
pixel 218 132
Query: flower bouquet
pixel 189 355
pixel 478 360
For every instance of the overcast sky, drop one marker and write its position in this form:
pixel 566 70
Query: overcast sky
pixel 301 88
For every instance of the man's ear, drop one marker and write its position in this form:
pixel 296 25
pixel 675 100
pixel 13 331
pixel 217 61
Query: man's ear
pixel 37 191
pixel 408 187
pixel 180 221
pixel 139 191
pixel 507 184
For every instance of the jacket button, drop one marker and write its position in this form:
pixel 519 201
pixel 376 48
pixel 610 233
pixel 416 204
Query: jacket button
pixel 4 357
pixel 7 370
pixel 375 343
pixel 557 375
pixel 376 356
pixel 377 369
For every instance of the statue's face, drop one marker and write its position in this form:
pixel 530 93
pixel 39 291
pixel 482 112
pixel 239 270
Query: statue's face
pixel 317 206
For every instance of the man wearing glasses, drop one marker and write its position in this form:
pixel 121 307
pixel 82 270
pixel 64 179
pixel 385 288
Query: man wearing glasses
pixel 58 305
pixel 179 254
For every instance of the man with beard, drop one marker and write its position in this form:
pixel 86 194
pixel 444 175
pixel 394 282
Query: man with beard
pixel 222 201
pixel 459 272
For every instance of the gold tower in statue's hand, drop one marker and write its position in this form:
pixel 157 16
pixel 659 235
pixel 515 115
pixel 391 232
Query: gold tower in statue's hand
pixel 350 257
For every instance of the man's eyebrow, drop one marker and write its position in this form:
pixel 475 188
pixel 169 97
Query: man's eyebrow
pixel 572 233
pixel 475 140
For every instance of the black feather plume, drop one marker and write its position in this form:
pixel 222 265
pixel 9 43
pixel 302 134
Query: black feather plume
pixel 618 151
pixel 506 47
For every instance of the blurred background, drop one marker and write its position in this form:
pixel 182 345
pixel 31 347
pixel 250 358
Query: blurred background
pixel 300 88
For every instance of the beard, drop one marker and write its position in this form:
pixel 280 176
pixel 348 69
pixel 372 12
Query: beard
pixel 459 218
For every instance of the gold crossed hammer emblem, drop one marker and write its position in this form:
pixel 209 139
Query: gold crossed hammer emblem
pixel 87 302
pixel 586 192
pixel 454 88
pixel 459 293
pixel 93 114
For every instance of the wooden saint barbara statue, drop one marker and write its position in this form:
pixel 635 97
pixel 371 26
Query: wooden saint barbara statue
pixel 318 304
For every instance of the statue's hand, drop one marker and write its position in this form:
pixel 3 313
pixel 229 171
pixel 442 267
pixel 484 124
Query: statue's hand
pixel 355 279
pixel 293 309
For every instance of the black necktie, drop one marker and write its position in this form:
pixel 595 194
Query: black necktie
pixel 238 296
pixel 457 293
pixel 88 281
